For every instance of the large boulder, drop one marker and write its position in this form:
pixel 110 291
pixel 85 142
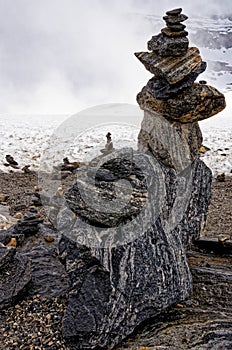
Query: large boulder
pixel 124 274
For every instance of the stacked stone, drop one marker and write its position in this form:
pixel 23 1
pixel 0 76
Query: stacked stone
pixel 172 92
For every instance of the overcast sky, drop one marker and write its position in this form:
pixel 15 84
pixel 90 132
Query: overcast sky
pixel 59 56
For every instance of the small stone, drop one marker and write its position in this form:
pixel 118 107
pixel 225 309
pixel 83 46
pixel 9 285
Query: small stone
pixel 18 215
pixel 221 177
pixel 203 82
pixel 12 243
pixel 174 12
pixel 49 239
pixel 3 197
pixel 169 33
pixel 176 27
pixel 175 19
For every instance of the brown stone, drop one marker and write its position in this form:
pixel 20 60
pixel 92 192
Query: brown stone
pixel 195 103
pixel 166 31
pixel 173 69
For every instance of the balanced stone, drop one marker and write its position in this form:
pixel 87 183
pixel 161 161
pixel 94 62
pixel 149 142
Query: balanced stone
pixel 195 103
pixel 175 19
pixel 176 27
pixel 167 31
pixel 174 70
pixel 174 12
pixel 165 46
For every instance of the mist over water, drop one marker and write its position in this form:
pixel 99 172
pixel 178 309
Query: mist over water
pixel 60 56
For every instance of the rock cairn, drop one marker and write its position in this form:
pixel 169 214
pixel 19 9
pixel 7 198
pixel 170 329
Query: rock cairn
pixel 172 101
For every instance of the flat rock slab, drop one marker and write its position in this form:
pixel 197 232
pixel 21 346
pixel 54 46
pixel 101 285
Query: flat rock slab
pixel 173 69
pixel 195 103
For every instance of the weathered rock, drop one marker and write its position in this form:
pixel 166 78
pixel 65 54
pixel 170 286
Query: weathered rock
pixel 175 144
pixel 175 19
pixel 165 46
pixel 110 295
pixel 107 191
pixel 161 89
pixel 195 103
pixel 176 27
pixel 168 32
pixel 15 276
pixel 172 69
pixel 205 323
pixel 174 12
pixel 119 284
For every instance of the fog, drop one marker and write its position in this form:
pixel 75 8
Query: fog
pixel 60 56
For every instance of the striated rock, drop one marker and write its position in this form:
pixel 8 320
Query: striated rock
pixel 114 287
pixel 195 103
pixel 165 46
pixel 172 69
pixel 111 294
pixel 15 276
pixel 205 323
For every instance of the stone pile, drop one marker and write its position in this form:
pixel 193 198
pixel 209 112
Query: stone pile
pixel 172 101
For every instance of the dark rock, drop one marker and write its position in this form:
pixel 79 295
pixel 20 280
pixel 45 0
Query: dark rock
pixel 11 160
pixel 174 12
pixel 176 27
pixel 6 257
pixel 107 190
pixel 195 103
pixel 206 324
pixel 165 46
pixel 161 89
pixel 175 19
pixel 15 276
pixel 113 288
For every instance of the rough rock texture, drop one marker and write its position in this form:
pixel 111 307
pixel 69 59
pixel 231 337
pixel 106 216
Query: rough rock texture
pixel 202 324
pixel 114 290
pixel 114 287
pixel 165 46
pixel 15 276
pixel 168 32
pixel 175 144
pixel 195 103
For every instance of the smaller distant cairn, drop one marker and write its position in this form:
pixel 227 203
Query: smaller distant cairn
pixel 172 102
pixel 109 145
